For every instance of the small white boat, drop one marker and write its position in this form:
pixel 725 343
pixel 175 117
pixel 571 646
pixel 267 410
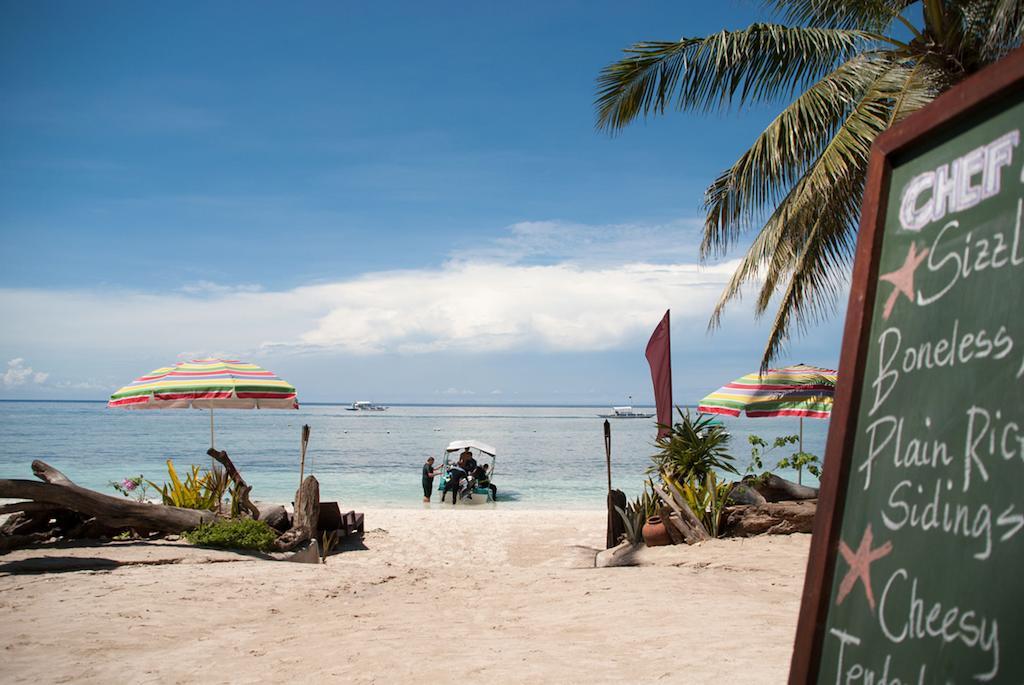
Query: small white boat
pixel 626 413
pixel 363 405
pixel 482 453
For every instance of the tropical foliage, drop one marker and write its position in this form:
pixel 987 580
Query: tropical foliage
pixel 132 486
pixel 706 498
pixel 201 489
pixel 798 461
pixel 694 446
pixel 633 521
pixel 850 69
pixel 638 511
pixel 759 450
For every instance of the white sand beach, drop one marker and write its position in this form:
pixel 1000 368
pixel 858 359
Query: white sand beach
pixel 433 595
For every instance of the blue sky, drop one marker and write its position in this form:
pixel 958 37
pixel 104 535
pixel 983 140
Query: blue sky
pixel 392 201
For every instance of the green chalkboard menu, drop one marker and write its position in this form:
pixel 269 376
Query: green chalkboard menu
pixel 916 572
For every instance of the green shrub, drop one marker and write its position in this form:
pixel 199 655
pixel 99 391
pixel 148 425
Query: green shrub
pixel 233 534
pixel 798 461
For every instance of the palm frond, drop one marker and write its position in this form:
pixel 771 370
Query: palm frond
pixel 806 170
pixel 810 236
pixel 1001 24
pixel 816 259
pixel 782 153
pixel 873 15
pixel 758 63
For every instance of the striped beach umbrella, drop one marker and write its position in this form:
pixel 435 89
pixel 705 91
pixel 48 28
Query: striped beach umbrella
pixel 206 384
pixel 799 390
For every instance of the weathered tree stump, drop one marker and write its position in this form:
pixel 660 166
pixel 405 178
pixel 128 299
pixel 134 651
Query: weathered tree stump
pixel 307 513
pixel 616 527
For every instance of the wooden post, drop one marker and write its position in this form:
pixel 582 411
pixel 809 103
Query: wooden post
pixel 608 451
pixel 614 498
pixel 302 462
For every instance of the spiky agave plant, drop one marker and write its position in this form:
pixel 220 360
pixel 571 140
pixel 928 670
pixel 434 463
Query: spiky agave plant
pixel 852 68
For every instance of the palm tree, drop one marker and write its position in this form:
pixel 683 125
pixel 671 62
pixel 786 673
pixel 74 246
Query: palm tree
pixel 855 68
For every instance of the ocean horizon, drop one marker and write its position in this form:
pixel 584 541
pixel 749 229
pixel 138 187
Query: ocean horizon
pixel 549 456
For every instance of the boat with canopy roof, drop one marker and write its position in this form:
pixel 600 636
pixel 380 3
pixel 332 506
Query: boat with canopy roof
pixel 475 492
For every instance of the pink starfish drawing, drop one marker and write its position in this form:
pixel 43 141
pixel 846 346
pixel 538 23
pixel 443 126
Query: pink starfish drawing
pixel 860 566
pixel 903 278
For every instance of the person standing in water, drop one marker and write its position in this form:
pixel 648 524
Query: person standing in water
pixel 428 478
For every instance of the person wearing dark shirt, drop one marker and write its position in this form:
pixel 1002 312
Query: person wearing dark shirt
pixel 456 474
pixel 467 461
pixel 428 478
pixel 483 479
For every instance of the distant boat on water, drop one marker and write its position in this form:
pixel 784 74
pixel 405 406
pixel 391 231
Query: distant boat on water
pixel 626 413
pixel 363 405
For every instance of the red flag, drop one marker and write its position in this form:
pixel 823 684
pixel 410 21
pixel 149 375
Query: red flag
pixel 659 356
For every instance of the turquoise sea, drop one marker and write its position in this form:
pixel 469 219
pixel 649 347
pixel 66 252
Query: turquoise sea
pixel 548 457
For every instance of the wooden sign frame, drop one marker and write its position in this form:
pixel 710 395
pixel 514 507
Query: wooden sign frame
pixel 986 87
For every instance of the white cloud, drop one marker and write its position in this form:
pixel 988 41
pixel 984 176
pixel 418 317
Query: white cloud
pixel 211 288
pixel 495 307
pixel 454 391
pixel 547 242
pixel 542 286
pixel 463 305
pixel 18 374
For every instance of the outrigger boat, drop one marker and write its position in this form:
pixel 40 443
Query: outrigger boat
pixel 480 451
pixel 363 405
pixel 626 413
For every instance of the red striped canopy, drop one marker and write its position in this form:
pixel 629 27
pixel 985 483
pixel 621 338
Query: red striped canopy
pixel 205 384
pixel 799 390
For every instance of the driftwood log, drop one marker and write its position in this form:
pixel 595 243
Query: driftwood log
pixel 744 492
pixel 274 515
pixel 672 527
pixel 687 523
pixel 58 491
pixel 776 489
pixel 773 518
pixel 243 488
pixel 304 522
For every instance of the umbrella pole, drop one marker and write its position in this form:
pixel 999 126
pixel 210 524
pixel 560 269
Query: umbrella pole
pixel 212 446
pixel 801 434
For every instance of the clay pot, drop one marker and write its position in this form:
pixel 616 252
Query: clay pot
pixel 655 534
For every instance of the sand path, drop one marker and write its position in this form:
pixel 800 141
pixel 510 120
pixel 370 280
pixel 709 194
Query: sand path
pixel 433 596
